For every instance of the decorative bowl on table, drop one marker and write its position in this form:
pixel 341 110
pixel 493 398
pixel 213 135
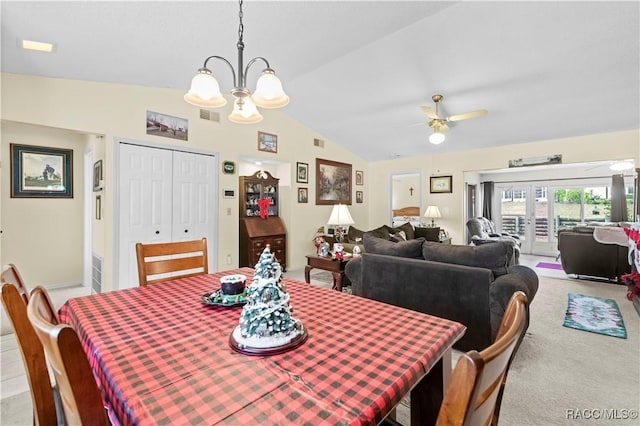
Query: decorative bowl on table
pixel 231 292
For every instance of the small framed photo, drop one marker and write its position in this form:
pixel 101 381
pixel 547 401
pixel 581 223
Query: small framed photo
pixel 97 175
pixel 359 197
pixel 267 142
pixel 359 177
pixel 41 172
pixel 440 184
pixel 303 195
pixel 302 172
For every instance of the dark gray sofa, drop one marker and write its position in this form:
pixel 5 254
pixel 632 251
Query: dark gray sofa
pixel 467 284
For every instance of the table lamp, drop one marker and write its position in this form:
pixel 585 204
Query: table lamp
pixel 340 217
pixel 432 212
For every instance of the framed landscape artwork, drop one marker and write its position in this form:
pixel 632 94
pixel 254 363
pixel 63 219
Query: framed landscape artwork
pixel 267 142
pixel 440 184
pixel 333 182
pixel 41 172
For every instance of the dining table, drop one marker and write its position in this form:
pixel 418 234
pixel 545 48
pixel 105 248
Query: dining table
pixel 161 356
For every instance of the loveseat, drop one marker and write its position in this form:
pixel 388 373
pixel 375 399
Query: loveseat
pixel 468 284
pixel 406 231
pixel 583 255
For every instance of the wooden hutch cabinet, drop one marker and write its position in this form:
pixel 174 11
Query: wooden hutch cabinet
pixel 256 233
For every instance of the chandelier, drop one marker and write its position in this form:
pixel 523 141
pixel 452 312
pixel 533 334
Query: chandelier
pixel 205 91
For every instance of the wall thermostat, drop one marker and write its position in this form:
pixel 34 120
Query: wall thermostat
pixel 229 193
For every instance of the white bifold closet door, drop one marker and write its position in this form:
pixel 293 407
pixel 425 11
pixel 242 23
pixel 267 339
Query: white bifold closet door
pixel 165 195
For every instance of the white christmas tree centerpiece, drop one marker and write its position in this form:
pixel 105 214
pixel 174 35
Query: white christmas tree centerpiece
pixel 266 325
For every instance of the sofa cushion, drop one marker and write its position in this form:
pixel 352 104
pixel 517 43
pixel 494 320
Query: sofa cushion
pixel 354 233
pixel 409 248
pixel 406 227
pixel 429 234
pixel 495 256
pixel 381 232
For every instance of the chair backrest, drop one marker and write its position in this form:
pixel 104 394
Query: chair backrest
pixel 79 394
pixel 14 299
pixel 180 259
pixel 477 382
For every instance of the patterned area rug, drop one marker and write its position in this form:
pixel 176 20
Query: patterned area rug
pixel 594 314
pixel 549 265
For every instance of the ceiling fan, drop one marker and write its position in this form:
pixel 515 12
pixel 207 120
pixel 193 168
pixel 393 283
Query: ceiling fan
pixel 439 124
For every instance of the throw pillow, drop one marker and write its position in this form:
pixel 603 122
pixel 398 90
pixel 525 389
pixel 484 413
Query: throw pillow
pixel 398 236
pixel 406 227
pixel 381 232
pixel 409 248
pixel 353 233
pixel 429 234
pixel 495 256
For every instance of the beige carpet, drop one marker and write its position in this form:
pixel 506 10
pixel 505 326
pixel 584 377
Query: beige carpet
pixel 558 372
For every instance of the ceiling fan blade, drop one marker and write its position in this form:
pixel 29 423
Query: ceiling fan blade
pixel 429 111
pixel 467 115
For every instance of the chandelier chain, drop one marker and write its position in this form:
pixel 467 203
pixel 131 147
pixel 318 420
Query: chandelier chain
pixel 241 26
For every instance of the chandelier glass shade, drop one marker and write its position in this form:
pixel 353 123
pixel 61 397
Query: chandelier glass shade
pixel 205 90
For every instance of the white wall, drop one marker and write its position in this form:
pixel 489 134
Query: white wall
pixel 115 110
pixel 43 237
pixel 579 149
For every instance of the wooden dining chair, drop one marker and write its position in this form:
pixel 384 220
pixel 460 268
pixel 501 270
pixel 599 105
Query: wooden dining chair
pixel 477 382
pixel 15 299
pixel 180 260
pixel 79 394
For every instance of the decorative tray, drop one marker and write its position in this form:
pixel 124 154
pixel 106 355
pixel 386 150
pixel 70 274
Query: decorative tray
pixel 216 298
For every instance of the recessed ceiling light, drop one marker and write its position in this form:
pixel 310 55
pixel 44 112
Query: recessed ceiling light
pixel 37 45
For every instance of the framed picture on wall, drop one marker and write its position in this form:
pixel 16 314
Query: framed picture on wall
pixel 267 142
pixel 359 177
pixel 303 195
pixel 41 172
pixel 333 182
pixel 359 197
pixel 440 184
pixel 97 175
pixel 302 172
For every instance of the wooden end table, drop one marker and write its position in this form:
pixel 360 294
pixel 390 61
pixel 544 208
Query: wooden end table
pixel 335 266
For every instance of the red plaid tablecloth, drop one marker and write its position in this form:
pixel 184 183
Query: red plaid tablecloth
pixel 162 357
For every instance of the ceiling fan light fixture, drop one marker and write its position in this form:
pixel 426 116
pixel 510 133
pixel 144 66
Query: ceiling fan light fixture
pixel 436 138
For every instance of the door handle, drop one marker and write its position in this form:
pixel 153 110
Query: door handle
pixel 157 232
pixel 186 230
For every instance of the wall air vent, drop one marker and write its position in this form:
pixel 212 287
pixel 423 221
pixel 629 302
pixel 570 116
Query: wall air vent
pixel 209 115
pixel 96 274
pixel 318 142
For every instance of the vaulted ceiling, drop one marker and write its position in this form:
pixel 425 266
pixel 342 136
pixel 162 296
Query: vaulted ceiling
pixel 358 71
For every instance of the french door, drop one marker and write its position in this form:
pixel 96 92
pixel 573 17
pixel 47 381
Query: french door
pixel 524 210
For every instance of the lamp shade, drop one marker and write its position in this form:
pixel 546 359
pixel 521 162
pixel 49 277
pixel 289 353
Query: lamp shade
pixel 205 91
pixel 432 212
pixel 340 216
pixel 269 92
pixel 245 112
